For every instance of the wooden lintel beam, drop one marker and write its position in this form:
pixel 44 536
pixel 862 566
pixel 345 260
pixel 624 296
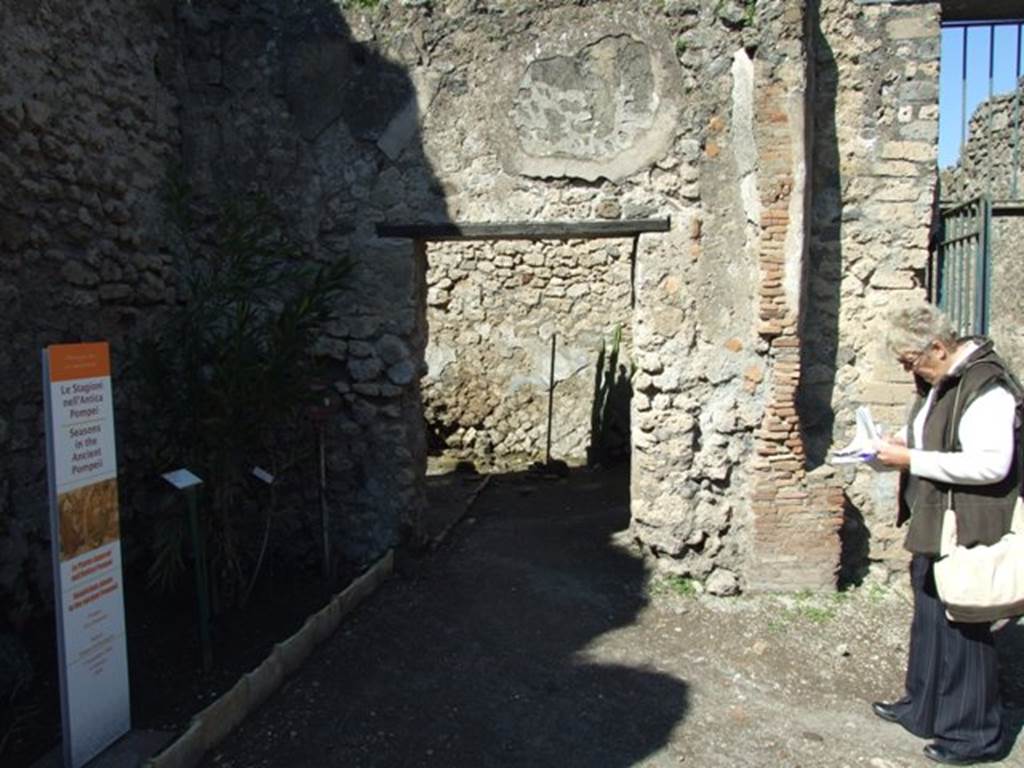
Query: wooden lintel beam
pixel 532 230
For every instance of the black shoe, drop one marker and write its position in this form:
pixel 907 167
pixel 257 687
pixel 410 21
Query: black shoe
pixel 946 756
pixel 886 711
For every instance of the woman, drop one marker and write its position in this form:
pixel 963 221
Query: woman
pixel 961 437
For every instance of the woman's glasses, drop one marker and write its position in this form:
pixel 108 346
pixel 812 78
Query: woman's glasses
pixel 910 360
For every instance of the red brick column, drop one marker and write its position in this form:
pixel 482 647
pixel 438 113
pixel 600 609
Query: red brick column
pixel 796 516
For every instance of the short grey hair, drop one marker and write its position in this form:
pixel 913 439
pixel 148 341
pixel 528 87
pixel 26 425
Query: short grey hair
pixel 916 326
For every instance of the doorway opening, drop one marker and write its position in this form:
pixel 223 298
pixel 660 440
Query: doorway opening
pixel 528 331
pixel 975 267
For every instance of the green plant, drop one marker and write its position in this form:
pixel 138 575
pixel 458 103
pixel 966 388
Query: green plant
pixel 805 606
pixel 737 17
pixel 609 411
pixel 818 608
pixel 751 13
pixel 225 380
pixel 876 593
pixel 347 4
pixel 26 589
pixel 16 676
pixel 682 586
pixel 817 614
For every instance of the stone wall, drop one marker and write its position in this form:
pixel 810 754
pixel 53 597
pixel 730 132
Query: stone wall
pixel 986 167
pixel 485 113
pixel 629 140
pixel 87 130
pixel 492 310
pixel 792 145
pixel 657 117
pixel 875 145
pixel 290 100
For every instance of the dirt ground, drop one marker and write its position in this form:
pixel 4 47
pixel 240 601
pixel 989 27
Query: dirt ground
pixel 535 635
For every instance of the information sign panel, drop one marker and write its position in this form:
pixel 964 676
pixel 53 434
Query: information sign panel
pixel 84 520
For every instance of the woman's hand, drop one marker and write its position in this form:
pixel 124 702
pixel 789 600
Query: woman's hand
pixel 893 452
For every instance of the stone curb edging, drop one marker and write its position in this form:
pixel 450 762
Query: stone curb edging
pixel 213 724
pixel 439 538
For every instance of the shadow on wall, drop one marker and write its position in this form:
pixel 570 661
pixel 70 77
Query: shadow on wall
pixel 855 541
pixel 823 355
pixel 610 409
pixel 279 98
pixel 824 262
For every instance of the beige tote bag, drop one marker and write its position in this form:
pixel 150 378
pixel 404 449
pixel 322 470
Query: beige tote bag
pixel 983 583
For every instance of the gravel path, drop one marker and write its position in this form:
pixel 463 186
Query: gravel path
pixel 535 636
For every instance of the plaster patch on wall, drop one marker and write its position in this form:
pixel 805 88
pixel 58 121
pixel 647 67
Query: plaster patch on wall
pixel 405 125
pixel 795 244
pixel 438 358
pixel 587 106
pixel 600 106
pixel 742 130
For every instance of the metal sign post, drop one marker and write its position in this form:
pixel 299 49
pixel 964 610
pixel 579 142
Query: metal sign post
pixel 188 483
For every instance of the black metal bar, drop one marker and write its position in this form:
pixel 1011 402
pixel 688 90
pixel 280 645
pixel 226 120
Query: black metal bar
pixel 551 400
pixel 1016 117
pixel 958 240
pixel 985 248
pixel 202 579
pixel 1008 207
pixel 957 276
pixel 981 23
pixel 991 87
pixel 550 230
pixel 632 271
pixel 963 100
pixel 975 279
pixel 959 207
pixel 960 249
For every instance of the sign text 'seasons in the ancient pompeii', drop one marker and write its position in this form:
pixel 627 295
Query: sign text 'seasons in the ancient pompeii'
pixel 84 515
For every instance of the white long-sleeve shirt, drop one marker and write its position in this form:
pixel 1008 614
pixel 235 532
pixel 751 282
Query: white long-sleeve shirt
pixel 986 439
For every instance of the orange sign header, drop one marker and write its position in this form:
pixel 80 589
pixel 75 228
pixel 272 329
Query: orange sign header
pixel 79 361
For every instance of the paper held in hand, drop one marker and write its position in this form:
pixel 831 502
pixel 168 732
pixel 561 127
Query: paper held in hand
pixel 862 447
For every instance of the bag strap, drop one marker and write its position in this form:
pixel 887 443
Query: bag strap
pixel 950 443
pixel 948 534
pixel 1017 522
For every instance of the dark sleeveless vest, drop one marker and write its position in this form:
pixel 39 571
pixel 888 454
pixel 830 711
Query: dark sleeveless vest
pixel 983 512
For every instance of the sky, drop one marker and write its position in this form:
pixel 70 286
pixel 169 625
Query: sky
pixel 1007 63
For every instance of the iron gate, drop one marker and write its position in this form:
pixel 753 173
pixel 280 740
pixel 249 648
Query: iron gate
pixel 961 280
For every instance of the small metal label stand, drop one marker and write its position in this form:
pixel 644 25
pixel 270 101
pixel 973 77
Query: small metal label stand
pixel 188 483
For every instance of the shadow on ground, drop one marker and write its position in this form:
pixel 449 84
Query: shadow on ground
pixel 1010 644
pixel 477 656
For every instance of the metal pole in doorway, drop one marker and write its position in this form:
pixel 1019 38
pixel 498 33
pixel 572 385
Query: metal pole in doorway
pixel 1016 120
pixel 963 99
pixel 991 86
pixel 551 399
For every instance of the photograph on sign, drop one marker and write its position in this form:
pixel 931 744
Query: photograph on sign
pixel 88 518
